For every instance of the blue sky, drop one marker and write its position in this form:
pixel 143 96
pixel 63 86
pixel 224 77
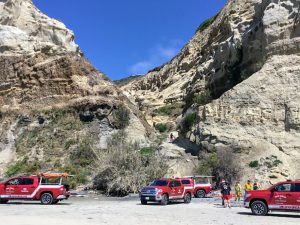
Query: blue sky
pixel 124 37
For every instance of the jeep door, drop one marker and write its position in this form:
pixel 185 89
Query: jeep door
pixel 282 196
pixel 12 188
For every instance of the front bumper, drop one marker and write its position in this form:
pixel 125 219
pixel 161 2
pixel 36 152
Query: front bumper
pixel 150 198
pixel 247 204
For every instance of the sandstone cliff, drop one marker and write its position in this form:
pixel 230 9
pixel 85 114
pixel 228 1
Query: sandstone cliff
pixel 247 63
pixel 52 100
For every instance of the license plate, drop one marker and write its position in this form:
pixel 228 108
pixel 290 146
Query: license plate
pixel 147 198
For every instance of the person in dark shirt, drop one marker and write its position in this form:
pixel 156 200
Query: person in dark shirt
pixel 225 191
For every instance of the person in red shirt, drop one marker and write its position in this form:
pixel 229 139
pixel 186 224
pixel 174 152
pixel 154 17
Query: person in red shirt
pixel 225 191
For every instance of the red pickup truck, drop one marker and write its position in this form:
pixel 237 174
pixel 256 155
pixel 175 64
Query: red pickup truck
pixel 202 185
pixel 165 190
pixel 49 189
pixel 283 196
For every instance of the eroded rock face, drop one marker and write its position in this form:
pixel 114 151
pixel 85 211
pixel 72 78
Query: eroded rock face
pixel 25 29
pixel 248 60
pixel 50 93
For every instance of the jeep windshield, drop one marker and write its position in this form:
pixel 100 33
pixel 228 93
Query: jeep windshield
pixel 159 183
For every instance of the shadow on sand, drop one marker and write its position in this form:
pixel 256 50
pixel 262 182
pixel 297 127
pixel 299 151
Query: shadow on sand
pixel 272 215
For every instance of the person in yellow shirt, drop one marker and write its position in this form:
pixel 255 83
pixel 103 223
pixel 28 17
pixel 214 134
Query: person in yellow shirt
pixel 248 186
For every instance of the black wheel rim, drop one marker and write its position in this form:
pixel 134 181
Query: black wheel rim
pixel 200 194
pixel 46 199
pixel 259 209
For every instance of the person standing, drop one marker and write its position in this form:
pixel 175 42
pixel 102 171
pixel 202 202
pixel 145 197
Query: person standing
pixel 256 185
pixel 248 186
pixel 238 191
pixel 225 191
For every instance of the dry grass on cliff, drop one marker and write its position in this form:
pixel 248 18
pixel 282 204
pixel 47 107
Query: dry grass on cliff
pixel 122 169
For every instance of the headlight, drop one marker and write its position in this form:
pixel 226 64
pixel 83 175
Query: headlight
pixel 158 190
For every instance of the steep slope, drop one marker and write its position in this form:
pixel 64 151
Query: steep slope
pixel 246 61
pixel 52 100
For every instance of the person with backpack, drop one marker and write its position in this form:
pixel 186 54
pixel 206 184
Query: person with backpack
pixel 225 191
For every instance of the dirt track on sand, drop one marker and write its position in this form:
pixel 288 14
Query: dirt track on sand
pixel 128 211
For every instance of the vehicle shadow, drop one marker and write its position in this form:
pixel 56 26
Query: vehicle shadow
pixel 272 215
pixel 158 204
pixel 36 203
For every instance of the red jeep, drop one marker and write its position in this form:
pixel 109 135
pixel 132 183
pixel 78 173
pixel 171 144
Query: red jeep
pixel 165 190
pixel 202 185
pixel 283 196
pixel 48 188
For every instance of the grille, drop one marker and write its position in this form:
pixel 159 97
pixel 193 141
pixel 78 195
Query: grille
pixel 148 191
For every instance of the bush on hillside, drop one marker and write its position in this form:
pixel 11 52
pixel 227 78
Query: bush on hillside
pixel 206 23
pixel 187 122
pixel 122 169
pixel 121 117
pixel 161 127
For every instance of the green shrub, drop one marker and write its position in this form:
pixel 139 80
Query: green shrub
pixel 121 117
pixel 80 175
pixel 272 161
pixel 222 163
pixel 188 121
pixel 202 98
pixel 23 166
pixel 147 151
pixel 254 164
pixel 169 110
pixel 161 127
pixel 206 23
pixel 83 155
pixel 122 169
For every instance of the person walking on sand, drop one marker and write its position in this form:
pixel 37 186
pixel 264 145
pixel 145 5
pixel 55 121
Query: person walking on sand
pixel 238 191
pixel 225 191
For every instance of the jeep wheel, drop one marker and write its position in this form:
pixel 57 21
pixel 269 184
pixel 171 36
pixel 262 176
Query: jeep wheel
pixel 46 199
pixel 200 194
pixel 259 208
pixel 164 199
pixel 143 202
pixel 187 198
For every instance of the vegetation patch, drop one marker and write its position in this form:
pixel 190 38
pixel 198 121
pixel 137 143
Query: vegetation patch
pixel 121 117
pixel 272 161
pixel 254 164
pixel 202 98
pixel 220 164
pixel 206 23
pixel 173 110
pixel 147 151
pixel 23 166
pixel 161 127
pixel 122 169
pixel 187 122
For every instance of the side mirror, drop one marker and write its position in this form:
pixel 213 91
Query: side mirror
pixel 273 190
